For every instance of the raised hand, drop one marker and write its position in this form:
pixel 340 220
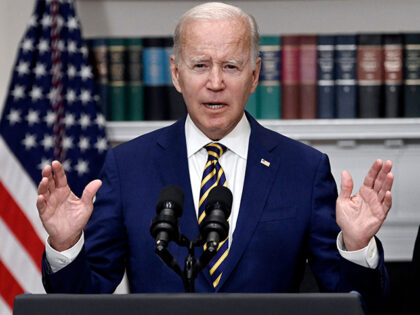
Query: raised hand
pixel 360 216
pixel 62 213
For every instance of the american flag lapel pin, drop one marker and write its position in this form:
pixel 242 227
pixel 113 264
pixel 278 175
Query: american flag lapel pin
pixel 265 163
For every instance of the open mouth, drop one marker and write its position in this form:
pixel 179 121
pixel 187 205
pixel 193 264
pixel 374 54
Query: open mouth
pixel 214 105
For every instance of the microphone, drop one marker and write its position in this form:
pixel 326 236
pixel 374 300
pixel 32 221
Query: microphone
pixel 215 227
pixel 164 227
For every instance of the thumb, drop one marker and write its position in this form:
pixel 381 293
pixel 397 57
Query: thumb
pixel 346 185
pixel 90 191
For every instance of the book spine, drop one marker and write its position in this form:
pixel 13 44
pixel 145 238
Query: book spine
pixel 345 83
pixel 117 78
pixel 269 90
pixel 290 75
pixel 411 75
pixel 308 75
pixel 155 79
pixel 370 75
pixel 325 77
pixel 134 79
pixel 176 105
pixel 98 58
pixel 252 104
pixel 393 74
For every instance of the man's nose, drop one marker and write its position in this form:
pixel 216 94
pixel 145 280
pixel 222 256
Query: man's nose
pixel 216 80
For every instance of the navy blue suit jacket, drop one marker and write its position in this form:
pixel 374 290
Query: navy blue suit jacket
pixel 287 216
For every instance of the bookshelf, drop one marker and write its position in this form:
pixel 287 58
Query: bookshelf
pixel 350 144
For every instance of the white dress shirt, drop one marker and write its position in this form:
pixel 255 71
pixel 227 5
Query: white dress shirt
pixel 233 162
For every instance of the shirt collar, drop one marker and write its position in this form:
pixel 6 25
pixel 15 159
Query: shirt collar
pixel 237 140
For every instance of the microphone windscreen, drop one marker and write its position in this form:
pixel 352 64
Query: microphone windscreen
pixel 173 194
pixel 221 194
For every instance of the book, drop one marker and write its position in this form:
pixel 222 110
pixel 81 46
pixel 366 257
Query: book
pixel 269 90
pixel 117 78
pixel 370 75
pixel 308 76
pixel 345 81
pixel 290 74
pixel 176 104
pixel 411 75
pixel 393 74
pixel 98 58
pixel 155 79
pixel 252 105
pixel 325 77
pixel 134 79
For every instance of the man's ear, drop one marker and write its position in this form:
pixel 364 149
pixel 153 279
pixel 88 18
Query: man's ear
pixel 175 74
pixel 256 75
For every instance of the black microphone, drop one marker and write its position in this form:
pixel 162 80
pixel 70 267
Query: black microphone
pixel 215 227
pixel 164 227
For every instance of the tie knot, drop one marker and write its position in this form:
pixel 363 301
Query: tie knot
pixel 215 150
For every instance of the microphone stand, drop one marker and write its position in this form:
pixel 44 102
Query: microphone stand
pixel 192 266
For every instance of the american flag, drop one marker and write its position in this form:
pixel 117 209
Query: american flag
pixel 50 113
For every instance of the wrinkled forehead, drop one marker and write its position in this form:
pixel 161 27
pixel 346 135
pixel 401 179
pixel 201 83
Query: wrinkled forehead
pixel 216 35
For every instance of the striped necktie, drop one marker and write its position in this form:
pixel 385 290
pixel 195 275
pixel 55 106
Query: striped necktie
pixel 213 175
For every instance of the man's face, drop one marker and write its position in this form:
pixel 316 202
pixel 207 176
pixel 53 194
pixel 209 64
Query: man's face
pixel 215 74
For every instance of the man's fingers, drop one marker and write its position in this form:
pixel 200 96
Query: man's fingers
pixel 373 173
pixel 59 175
pixel 387 202
pixel 387 185
pixel 382 175
pixel 90 191
pixel 346 185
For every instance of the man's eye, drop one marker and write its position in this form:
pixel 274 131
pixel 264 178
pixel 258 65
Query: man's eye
pixel 199 66
pixel 231 67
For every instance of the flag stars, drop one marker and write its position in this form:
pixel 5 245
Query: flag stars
pixel 85 96
pixel 27 45
pixel 67 165
pixel 43 46
pixel 101 144
pixel 47 142
pixel 84 144
pixel 36 93
pixel 32 21
pixel 46 20
pixel 50 118
pixel 32 117
pixel 84 121
pixel 72 47
pixel 22 68
pixel 72 23
pixel 100 120
pixel 69 120
pixel 54 95
pixel 18 92
pixel 67 143
pixel 86 72
pixel 13 117
pixel 81 167
pixel 71 72
pixel 40 70
pixel 29 141
pixel 71 96
pixel 84 51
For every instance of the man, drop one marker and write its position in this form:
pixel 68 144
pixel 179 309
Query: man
pixel 285 204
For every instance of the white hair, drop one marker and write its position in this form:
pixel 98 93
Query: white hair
pixel 217 11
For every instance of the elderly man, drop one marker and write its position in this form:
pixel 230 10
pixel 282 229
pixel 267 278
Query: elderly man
pixel 285 207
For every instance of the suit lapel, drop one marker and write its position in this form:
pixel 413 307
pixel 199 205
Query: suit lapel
pixel 172 166
pixel 259 178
